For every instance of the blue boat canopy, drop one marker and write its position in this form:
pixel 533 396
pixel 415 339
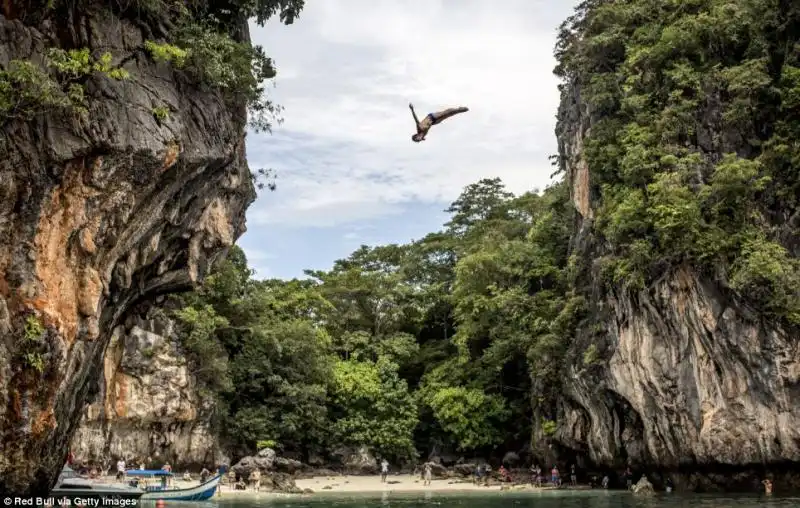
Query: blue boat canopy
pixel 147 472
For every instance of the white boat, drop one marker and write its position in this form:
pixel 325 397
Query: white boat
pixel 201 492
pixel 71 486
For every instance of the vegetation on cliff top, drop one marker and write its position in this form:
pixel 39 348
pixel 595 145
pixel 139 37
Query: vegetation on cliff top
pixel 207 40
pixel 693 151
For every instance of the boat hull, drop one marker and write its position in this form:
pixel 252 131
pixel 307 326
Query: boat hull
pixel 201 492
pixel 76 496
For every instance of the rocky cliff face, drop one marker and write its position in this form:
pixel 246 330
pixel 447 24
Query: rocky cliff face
pixel 97 214
pixel 690 378
pixel 148 409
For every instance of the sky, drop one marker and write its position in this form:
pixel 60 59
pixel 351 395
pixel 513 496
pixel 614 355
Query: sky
pixel 347 171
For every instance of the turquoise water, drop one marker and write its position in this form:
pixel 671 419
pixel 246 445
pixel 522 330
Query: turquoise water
pixel 584 499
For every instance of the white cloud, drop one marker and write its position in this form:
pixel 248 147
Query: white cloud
pixel 347 70
pixel 259 261
pixel 258 255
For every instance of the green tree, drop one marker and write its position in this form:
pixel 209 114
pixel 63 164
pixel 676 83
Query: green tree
pixel 372 406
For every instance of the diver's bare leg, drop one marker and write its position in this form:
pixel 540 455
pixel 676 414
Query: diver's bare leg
pixel 447 113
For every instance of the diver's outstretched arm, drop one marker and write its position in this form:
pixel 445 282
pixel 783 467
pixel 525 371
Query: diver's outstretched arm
pixel 414 114
pixel 447 113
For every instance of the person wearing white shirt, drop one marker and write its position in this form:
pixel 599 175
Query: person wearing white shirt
pixel 384 470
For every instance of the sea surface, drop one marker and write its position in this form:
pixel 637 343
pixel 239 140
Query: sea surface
pixel 581 499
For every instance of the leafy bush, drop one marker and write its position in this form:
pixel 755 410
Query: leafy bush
pixel 75 64
pixel 31 347
pixel 474 418
pixel 590 356
pixel 163 52
pixel 238 69
pixel 265 443
pixel 27 90
pixel 161 113
pixel 206 354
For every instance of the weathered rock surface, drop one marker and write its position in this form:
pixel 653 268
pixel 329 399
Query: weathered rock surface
pixel 643 487
pixel 148 409
pixel 688 374
pixel 280 482
pixel 95 216
pixel 465 469
pixel 247 465
pixel 290 466
pixel 356 461
pixel 691 380
pixel 268 454
pixel 438 470
pixel 274 476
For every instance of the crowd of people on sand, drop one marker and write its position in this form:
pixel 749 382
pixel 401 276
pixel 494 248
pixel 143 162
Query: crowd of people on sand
pixel 483 473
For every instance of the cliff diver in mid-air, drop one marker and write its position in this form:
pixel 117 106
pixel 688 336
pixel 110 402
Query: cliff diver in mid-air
pixel 431 119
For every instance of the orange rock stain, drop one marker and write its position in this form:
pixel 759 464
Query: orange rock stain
pixel 66 289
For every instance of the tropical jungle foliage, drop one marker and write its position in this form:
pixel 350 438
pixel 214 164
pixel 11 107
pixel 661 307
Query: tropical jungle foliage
pixel 399 347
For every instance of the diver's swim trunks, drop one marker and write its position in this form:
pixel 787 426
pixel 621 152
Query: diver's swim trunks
pixel 427 122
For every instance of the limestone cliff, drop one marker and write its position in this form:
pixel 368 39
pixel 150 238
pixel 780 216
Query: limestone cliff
pixel 96 214
pixel 148 409
pixel 690 376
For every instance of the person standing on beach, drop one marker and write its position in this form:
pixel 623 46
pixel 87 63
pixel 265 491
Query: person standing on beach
pixel 554 477
pixel 767 487
pixel 628 478
pixel 573 476
pixel 120 470
pixel 427 472
pixel 255 479
pixel 384 470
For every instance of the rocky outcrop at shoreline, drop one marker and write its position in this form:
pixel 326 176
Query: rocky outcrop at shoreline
pixel 274 473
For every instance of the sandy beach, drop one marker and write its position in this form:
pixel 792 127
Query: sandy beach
pixel 394 483
pixel 365 484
